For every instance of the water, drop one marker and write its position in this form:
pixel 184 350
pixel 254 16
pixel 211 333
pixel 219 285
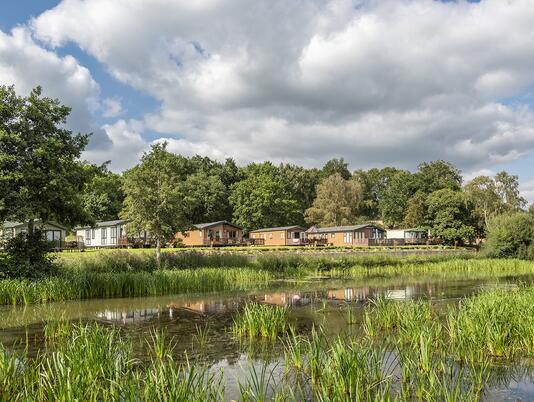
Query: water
pixel 319 302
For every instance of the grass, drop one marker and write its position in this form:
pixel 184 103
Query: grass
pixel 261 321
pixel 126 274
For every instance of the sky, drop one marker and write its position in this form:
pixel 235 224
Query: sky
pixel 377 82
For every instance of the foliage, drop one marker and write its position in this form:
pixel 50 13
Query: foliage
pixel 302 183
pixel 374 183
pixel 449 217
pixel 26 256
pixel 156 198
pixel 207 196
pixel 103 196
pixel 336 166
pixel 395 198
pixel 261 321
pixel 438 175
pixel 511 235
pixel 337 202
pixel 416 211
pixel 40 174
pixel 263 199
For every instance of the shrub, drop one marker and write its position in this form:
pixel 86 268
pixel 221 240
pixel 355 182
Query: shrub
pixel 511 236
pixel 27 256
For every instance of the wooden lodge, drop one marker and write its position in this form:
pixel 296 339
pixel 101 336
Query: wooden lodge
pixel 280 236
pixel 353 235
pixel 221 233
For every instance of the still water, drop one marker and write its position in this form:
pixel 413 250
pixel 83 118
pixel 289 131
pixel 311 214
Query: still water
pixel 316 302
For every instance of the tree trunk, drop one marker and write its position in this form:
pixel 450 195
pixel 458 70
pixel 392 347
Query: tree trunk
pixel 158 253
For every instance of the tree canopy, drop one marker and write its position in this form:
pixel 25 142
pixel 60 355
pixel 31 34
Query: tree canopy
pixel 337 202
pixel 40 172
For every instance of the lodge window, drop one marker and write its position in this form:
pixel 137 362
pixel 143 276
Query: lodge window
pixel 93 234
pixel 360 235
pixel 270 235
pixel 103 235
pixel 282 235
pixel 113 235
pixel 232 234
pixel 333 235
pixel 87 237
pixel 347 237
pixel 296 235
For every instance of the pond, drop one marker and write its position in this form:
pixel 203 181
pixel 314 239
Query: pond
pixel 200 324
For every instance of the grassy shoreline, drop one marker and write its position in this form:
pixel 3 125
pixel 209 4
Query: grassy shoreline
pixel 124 274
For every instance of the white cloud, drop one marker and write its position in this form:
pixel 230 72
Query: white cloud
pixel 112 107
pixel 25 64
pixel 379 82
pixel 126 145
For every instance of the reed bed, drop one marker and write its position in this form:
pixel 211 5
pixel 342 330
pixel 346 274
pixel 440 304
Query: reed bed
pixel 126 274
pixel 261 321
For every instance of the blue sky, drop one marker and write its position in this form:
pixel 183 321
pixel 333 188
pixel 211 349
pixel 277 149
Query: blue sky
pixel 378 83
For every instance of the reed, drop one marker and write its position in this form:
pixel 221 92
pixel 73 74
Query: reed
pixel 261 321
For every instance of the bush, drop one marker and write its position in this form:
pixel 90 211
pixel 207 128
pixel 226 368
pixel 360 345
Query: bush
pixel 511 236
pixel 27 256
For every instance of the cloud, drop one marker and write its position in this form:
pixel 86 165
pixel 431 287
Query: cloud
pixel 126 145
pixel 25 64
pixel 112 107
pixel 379 82
pixel 527 191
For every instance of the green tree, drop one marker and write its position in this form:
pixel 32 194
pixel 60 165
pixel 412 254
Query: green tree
pixel 437 175
pixel 263 199
pixel 155 195
pixel 374 183
pixel 507 187
pixel 510 235
pixel 40 173
pixel 207 196
pixel 449 216
pixel 336 166
pixel 302 183
pixel 482 193
pixel 102 196
pixel 395 198
pixel 337 202
pixel 416 211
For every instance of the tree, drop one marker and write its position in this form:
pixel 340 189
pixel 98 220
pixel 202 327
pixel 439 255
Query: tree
pixel 449 217
pixel 40 173
pixel 416 211
pixel 374 183
pixel 394 200
pixel 336 166
pixel 302 183
pixel 102 196
pixel 337 202
pixel 263 199
pixel 507 187
pixel 510 235
pixel 155 195
pixel 437 175
pixel 482 193
pixel 207 196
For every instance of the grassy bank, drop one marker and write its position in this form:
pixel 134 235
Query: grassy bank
pixel 124 274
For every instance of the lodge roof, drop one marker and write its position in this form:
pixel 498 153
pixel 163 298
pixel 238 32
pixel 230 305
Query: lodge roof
pixel 210 224
pixel 348 228
pixel 280 228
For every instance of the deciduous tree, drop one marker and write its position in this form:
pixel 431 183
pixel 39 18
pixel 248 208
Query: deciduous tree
pixel 155 195
pixel 337 202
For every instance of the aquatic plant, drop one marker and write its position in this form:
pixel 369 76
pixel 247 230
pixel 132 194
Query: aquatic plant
pixel 261 321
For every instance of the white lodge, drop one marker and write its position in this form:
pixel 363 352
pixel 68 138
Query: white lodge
pixel 53 232
pixel 103 234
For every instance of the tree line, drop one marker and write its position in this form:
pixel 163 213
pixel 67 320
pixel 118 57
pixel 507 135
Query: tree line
pixel 42 177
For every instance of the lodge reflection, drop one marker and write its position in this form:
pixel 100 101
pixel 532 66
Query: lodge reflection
pixel 210 307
